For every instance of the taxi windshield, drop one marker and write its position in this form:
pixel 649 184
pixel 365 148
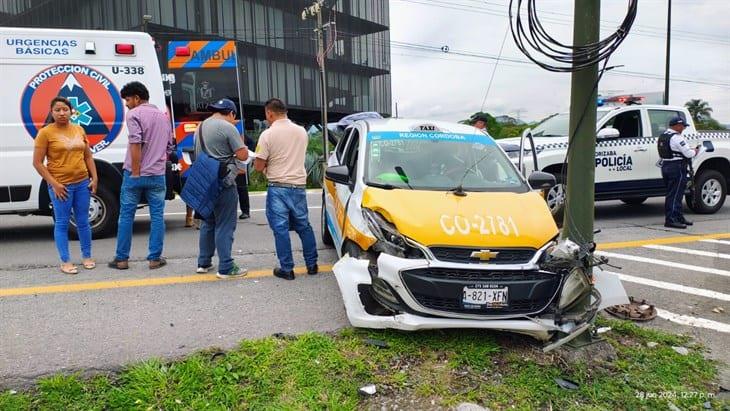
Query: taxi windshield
pixel 439 162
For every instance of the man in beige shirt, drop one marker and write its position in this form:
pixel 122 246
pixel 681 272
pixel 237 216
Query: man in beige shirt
pixel 280 156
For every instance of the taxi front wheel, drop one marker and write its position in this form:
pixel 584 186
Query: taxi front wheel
pixel 324 230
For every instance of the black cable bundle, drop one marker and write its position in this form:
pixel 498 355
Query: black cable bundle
pixel 571 58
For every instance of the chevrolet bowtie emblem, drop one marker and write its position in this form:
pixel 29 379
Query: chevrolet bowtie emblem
pixel 484 255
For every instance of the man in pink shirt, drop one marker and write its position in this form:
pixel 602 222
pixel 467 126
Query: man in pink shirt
pixel 150 144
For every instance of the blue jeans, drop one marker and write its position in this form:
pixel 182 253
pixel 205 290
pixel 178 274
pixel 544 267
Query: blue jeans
pixel 674 174
pixel 216 233
pixel 153 188
pixel 77 201
pixel 287 208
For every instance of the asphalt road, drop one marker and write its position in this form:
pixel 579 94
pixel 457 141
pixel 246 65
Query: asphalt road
pixel 104 319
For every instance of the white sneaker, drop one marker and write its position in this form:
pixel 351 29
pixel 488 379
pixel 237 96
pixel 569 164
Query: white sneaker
pixel 236 272
pixel 203 270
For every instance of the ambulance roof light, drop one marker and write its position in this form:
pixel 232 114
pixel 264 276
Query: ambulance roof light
pixel 124 49
pixel 90 47
pixel 182 51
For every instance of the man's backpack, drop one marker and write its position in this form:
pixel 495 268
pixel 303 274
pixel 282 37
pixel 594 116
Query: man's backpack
pixel 663 147
pixel 203 184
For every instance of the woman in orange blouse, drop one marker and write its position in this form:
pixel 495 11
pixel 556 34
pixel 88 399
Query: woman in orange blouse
pixel 70 173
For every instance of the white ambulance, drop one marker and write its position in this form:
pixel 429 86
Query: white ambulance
pixel 89 68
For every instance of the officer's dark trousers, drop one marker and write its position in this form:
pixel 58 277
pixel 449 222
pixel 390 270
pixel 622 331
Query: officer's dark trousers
pixel 674 174
pixel 242 188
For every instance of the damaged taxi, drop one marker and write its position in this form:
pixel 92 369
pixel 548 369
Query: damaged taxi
pixel 436 228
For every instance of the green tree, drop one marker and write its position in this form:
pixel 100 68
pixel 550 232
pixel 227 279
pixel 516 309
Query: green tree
pixel 709 123
pixel 698 109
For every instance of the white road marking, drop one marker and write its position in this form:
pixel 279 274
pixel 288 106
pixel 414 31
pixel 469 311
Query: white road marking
pixel 252 210
pixel 706 270
pixel 716 241
pixel 688 251
pixel 693 321
pixel 672 286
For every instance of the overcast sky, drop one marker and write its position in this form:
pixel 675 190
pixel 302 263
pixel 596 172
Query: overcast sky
pixel 449 86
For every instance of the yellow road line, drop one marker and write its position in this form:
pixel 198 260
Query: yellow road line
pixel 142 282
pixel 201 278
pixel 664 240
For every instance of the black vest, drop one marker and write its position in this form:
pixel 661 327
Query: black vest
pixel 664 148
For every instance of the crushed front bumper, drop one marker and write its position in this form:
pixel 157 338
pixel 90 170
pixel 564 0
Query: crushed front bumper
pixel 352 274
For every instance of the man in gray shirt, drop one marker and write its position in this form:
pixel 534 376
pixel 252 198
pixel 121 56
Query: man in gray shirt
pixel 219 138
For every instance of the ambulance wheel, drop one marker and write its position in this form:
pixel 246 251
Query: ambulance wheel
pixel 633 200
pixel 325 231
pixel 709 192
pixel 555 197
pixel 103 213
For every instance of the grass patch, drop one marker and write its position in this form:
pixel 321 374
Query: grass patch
pixel 417 371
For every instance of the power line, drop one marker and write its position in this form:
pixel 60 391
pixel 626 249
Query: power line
pixel 494 71
pixel 615 72
pixel 481 10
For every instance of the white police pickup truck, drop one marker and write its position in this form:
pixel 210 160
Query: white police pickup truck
pixel 626 157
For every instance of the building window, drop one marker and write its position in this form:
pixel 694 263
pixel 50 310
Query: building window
pixel 167 13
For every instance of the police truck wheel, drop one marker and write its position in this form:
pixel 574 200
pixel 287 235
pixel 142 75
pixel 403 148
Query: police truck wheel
pixel 325 231
pixel 555 197
pixel 103 213
pixel 709 192
pixel 633 200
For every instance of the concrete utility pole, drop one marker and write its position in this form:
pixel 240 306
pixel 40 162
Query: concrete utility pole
pixel 666 67
pixel 580 201
pixel 315 10
pixel 579 207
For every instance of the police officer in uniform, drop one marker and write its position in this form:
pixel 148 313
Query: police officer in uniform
pixel 676 155
pixel 479 121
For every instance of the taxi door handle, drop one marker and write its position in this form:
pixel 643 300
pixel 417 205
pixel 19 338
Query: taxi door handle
pixel 639 150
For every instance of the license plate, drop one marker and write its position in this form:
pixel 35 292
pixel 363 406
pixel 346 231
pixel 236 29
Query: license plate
pixel 487 295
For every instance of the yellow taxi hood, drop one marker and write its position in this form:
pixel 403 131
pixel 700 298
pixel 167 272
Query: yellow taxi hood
pixel 479 219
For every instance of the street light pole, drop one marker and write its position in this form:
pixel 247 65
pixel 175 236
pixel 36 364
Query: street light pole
pixel 315 10
pixel 145 19
pixel 666 68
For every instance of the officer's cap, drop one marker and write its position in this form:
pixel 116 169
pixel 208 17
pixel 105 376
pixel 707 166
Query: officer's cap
pixel 677 120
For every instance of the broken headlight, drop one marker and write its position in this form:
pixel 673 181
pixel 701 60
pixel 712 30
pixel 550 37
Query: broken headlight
pixel 576 285
pixel 390 241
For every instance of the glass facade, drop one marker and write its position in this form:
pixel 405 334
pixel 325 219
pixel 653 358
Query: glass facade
pixel 276 48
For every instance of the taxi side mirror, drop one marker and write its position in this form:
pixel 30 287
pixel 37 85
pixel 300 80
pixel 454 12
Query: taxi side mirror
pixel 608 132
pixel 338 174
pixel 540 180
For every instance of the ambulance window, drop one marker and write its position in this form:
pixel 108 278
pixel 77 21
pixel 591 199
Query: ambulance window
pixel 659 120
pixel 627 123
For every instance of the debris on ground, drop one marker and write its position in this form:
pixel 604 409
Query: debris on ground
pixel 681 350
pixel 468 406
pixel 673 407
pixel 635 310
pixel 652 344
pixel 566 384
pixel 367 390
pixel 214 356
pixel 376 343
pixel 602 330
pixel 718 310
pixel 284 336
